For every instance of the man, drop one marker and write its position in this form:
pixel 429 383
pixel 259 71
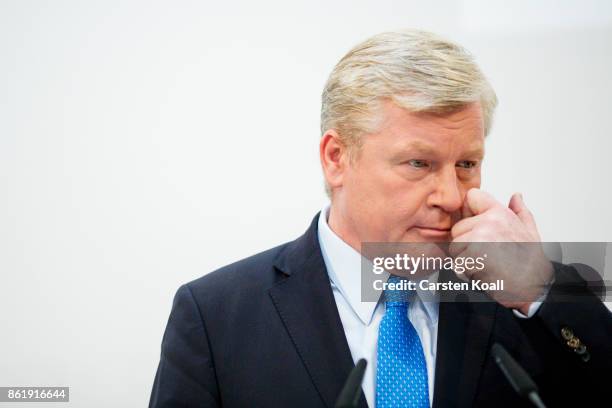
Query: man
pixel 404 117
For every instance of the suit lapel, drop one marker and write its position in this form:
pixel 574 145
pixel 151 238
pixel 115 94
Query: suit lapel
pixel 464 330
pixel 305 302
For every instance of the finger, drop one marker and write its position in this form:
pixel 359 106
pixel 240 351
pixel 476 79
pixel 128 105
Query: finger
pixel 465 209
pixel 480 201
pixel 457 247
pixel 464 226
pixel 462 276
pixel 517 205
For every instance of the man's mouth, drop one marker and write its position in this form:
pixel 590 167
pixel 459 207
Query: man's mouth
pixel 433 231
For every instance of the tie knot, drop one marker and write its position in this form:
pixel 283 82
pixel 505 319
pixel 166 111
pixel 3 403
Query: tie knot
pixel 397 292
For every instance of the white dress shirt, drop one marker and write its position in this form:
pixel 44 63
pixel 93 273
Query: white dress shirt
pixel 362 319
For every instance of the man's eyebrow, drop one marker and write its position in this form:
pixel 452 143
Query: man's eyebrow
pixel 417 146
pixel 475 152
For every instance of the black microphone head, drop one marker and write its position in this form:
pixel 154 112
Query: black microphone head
pixel 515 374
pixel 349 396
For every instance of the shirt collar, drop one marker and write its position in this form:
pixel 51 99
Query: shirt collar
pixel 343 265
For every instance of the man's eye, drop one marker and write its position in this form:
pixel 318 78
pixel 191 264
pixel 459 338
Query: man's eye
pixel 418 163
pixel 467 164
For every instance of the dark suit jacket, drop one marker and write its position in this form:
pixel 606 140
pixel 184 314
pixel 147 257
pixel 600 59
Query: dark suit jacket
pixel 265 332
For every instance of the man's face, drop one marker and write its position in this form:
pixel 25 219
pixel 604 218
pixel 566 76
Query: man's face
pixel 410 179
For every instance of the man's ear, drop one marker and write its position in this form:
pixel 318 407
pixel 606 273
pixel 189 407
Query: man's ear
pixel 334 158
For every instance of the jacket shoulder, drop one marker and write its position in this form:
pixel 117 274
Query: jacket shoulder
pixel 244 282
pixel 253 273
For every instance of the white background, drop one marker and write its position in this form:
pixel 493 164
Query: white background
pixel 144 144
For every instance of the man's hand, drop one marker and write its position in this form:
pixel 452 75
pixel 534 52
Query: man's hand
pixel 520 262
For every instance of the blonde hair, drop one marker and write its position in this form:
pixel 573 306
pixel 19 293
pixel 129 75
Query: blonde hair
pixel 417 70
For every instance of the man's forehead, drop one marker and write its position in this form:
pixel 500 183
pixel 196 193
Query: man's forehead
pixel 424 145
pixel 391 110
pixel 468 118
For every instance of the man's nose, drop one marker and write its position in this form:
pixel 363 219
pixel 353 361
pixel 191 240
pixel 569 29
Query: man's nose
pixel 447 194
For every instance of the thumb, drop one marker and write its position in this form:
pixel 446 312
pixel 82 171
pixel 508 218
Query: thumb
pixel 465 210
pixel 517 205
pixel 479 201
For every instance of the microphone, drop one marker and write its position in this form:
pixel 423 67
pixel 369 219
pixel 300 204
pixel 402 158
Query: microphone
pixel 349 396
pixel 516 375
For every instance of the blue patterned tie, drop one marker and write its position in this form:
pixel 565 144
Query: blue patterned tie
pixel 401 372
